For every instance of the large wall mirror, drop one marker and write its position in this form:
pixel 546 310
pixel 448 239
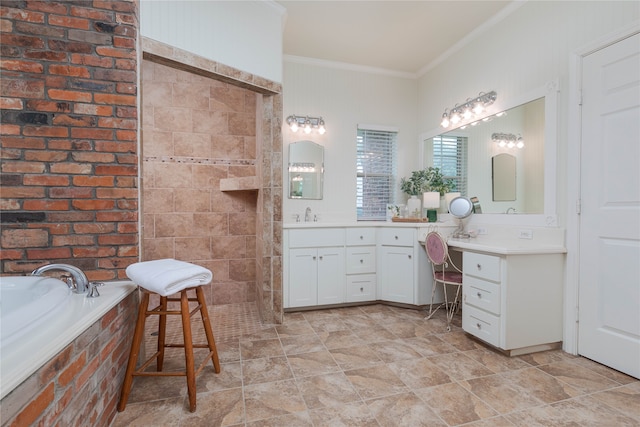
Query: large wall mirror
pixel 528 187
pixel 306 170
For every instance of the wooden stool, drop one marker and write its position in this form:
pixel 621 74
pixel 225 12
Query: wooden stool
pixel 161 310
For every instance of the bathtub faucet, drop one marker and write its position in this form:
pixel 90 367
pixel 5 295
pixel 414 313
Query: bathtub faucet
pixel 79 278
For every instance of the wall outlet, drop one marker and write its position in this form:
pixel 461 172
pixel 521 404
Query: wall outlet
pixel 481 230
pixel 526 234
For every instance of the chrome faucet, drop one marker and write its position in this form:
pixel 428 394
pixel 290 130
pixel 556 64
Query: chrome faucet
pixel 511 210
pixel 80 281
pixel 307 215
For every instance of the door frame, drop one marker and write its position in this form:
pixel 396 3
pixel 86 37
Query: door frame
pixel 574 138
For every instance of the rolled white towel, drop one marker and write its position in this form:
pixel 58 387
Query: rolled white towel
pixel 168 276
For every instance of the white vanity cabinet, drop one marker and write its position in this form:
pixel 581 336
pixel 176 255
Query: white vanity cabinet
pixel 361 264
pixel 316 267
pixel 513 302
pixel 402 267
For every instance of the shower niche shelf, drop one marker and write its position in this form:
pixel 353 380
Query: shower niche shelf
pixel 239 184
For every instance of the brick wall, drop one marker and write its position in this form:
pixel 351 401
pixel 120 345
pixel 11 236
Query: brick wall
pixel 69 135
pixel 80 386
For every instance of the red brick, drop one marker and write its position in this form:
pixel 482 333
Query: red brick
pixel 67 120
pixel 93 205
pixel 124 42
pixel 48 106
pixel 46 254
pixel 69 95
pixel 55 82
pixel 69 22
pixel 91 133
pixel 91 157
pixel 93 181
pixel 115 146
pixel 105 98
pixel 93 252
pixel 24 238
pixel 9 129
pixel 45 205
pixel 10 153
pixel 91 60
pixel 117 193
pixel 72 168
pixel 128 204
pixel 71 193
pixel 11 254
pixel 45 156
pixel 110 122
pixel 24 66
pixel 55 365
pixel 116 216
pixel 40 30
pixel 69 70
pixel 22 142
pixel 74 217
pixel 11 104
pixel 125 135
pixel 92 109
pixel 17 88
pixel 56 229
pixel 86 374
pixel 130 159
pixel 124 251
pixel 49 7
pixel 118 6
pixel 24 41
pixel 46 180
pixel 116 170
pixel 73 240
pixel 22 15
pixel 22 192
pixel 129 112
pixel 72 369
pixel 126 19
pixel 120 239
pixel 128 227
pixel 50 131
pixel 36 407
pixel 126 64
pixel 46 55
pixel 94 228
pixel 24 167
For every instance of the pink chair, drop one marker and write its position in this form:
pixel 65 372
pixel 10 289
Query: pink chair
pixel 438 253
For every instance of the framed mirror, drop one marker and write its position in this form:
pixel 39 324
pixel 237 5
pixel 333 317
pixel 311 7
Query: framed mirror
pixel 306 170
pixel 534 117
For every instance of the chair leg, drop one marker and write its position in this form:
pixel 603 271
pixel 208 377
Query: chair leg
pixel 135 350
pixel 162 334
pixel 188 350
pixel 207 329
pixel 446 307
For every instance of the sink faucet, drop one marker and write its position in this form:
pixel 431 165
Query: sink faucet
pixel 511 210
pixel 307 215
pixel 79 278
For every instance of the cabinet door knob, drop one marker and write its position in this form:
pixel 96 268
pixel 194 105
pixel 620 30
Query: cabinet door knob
pixel 479 266
pixel 409 256
pixel 479 325
pixel 321 258
pixel 479 295
pixel 314 258
pixel 396 237
pixel 361 237
pixel 361 261
pixel 361 289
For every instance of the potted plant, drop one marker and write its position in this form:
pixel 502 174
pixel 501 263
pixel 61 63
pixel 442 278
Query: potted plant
pixel 414 186
pixel 435 181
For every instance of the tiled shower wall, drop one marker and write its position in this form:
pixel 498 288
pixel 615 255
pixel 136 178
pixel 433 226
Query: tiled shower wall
pixel 196 131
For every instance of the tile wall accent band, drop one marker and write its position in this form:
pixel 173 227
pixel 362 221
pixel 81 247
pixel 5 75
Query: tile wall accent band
pixel 197 160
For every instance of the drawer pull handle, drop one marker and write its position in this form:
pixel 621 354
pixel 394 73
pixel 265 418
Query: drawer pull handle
pixel 409 256
pixel 361 261
pixel 361 237
pixel 396 237
pixel 479 325
pixel 314 258
pixel 361 289
pixel 479 266
pixel 479 295
pixel 321 258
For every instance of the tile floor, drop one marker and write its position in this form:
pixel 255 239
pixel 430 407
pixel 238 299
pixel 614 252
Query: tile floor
pixel 377 365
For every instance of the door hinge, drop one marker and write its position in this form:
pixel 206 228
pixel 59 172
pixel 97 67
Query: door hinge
pixel 580 97
pixel 579 206
pixel 577 314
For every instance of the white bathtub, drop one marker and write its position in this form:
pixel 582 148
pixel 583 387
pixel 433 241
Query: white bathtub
pixel 40 316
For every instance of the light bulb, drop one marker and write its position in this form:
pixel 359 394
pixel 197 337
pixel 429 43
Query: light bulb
pixel 321 129
pixel 511 144
pixel 445 120
pixel 478 107
pixel 455 117
pixel 466 113
pixel 502 143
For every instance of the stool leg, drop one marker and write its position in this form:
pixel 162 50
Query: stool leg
pixel 135 350
pixel 188 349
pixel 162 334
pixel 207 329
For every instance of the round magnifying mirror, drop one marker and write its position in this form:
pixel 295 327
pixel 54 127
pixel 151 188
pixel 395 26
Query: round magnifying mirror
pixel 460 207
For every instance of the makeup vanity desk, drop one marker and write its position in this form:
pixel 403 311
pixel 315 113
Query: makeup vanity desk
pixel 512 291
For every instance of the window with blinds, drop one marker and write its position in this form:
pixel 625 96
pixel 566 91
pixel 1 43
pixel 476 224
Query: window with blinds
pixel 376 170
pixel 450 155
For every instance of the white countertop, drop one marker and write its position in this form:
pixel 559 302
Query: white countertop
pixel 294 225
pixel 507 247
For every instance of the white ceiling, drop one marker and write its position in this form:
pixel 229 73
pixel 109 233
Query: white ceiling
pixel 406 37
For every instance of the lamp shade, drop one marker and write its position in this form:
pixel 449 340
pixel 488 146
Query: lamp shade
pixel 431 200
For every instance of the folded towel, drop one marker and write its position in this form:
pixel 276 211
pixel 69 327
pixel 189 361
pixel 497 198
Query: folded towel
pixel 168 276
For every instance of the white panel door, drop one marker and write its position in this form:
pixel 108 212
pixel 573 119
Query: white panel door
pixel 609 301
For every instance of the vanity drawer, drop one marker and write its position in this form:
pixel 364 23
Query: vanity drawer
pixel 481 324
pixel 361 287
pixel 482 266
pixel 361 259
pixel 482 294
pixel 316 237
pixel 397 236
pixel 361 236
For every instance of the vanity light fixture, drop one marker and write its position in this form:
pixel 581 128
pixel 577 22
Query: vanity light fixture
pixel 472 107
pixel 508 140
pixel 307 123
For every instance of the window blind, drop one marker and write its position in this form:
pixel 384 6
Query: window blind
pixel 376 170
pixel 450 155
